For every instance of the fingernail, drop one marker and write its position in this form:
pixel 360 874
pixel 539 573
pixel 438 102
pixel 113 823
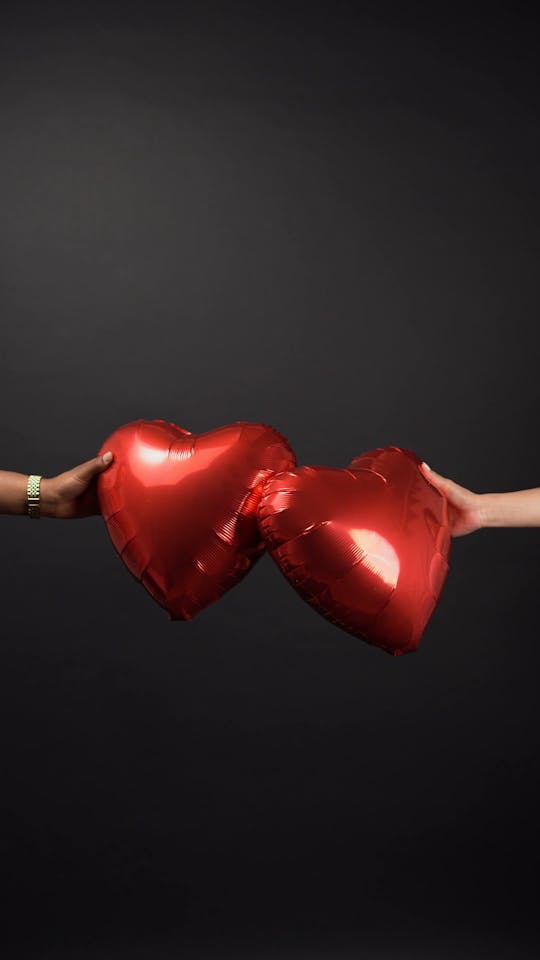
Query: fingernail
pixel 424 464
pixel 107 457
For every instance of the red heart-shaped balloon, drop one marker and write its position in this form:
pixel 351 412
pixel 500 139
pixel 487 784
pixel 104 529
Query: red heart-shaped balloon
pixel 180 508
pixel 366 546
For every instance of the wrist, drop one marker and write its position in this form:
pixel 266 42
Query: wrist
pixel 485 510
pixel 48 498
pixel 495 510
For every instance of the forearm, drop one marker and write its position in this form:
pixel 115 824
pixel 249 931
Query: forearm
pixel 519 508
pixel 13 494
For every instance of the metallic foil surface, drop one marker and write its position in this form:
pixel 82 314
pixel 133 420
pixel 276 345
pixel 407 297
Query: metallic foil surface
pixel 367 546
pixel 181 508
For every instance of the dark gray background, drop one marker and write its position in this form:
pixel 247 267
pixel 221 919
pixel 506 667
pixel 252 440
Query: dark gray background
pixel 324 219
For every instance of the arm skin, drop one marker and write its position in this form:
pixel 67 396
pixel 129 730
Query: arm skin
pixel 68 496
pixel 470 511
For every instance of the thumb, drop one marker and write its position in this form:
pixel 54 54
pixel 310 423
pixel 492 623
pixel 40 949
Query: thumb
pixel 85 471
pixel 451 489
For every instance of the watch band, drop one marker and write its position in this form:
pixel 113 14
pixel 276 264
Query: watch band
pixel 32 495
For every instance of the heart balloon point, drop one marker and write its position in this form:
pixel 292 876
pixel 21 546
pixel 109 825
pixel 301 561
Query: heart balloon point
pixel 367 546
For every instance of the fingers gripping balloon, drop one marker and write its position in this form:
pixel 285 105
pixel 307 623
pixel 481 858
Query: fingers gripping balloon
pixel 180 508
pixel 366 546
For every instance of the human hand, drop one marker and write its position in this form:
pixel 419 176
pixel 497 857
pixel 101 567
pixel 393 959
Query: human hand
pixel 465 508
pixel 73 494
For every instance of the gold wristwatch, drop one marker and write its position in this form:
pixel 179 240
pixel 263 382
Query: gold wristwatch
pixel 32 495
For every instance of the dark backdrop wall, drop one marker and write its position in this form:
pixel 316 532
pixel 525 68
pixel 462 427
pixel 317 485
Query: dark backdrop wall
pixel 325 219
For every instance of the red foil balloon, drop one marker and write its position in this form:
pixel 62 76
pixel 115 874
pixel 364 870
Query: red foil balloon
pixel 180 508
pixel 366 546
